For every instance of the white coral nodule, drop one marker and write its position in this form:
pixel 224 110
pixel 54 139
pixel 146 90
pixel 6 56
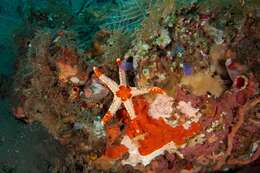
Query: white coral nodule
pixel 161 107
pixel 192 114
pixel 164 39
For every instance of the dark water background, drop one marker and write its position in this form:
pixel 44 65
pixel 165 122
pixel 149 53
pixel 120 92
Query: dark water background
pixel 23 148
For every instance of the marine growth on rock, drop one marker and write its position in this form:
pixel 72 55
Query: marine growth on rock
pixel 177 93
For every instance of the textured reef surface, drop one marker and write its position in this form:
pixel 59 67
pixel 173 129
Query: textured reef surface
pixel 153 86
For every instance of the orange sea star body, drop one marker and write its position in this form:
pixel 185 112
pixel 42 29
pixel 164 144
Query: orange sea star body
pixel 123 93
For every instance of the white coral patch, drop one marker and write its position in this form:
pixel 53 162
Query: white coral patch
pixel 161 107
pixel 187 109
pixel 98 128
pixel 97 87
pixel 192 114
pixel 74 80
pixel 164 38
pixel 135 157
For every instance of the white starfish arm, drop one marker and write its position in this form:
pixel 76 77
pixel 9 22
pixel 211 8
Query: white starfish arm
pixel 129 106
pixel 112 110
pixel 115 105
pixel 122 76
pixel 136 92
pixel 154 90
pixel 112 85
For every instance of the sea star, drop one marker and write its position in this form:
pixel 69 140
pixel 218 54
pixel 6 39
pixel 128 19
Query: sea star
pixel 123 93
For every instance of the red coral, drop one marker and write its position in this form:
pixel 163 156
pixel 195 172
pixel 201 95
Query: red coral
pixel 232 135
pixel 156 132
pixel 116 151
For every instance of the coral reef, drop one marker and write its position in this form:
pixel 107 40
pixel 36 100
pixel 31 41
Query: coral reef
pixel 193 104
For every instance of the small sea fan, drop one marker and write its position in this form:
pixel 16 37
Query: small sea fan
pixel 128 15
pixel 117 45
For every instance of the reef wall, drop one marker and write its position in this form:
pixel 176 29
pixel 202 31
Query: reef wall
pixel 143 86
